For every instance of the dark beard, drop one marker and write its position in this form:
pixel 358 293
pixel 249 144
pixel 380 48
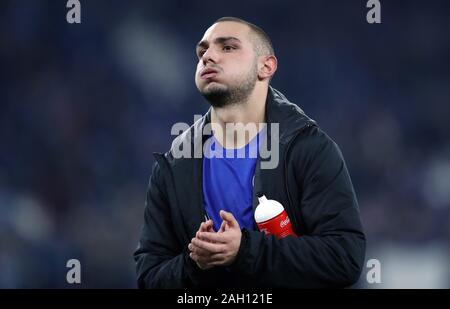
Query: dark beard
pixel 220 97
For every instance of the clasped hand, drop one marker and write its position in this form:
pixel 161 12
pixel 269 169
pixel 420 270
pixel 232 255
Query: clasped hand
pixel 209 248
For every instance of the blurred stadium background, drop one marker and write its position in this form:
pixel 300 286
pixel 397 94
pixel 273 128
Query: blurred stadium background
pixel 82 108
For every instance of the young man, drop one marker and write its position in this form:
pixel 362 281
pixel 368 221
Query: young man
pixel 178 248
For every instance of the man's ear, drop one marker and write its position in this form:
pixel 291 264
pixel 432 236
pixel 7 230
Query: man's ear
pixel 267 66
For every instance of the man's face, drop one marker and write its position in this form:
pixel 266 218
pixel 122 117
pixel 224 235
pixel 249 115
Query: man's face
pixel 226 70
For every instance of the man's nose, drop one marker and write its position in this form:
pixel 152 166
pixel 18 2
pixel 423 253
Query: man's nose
pixel 209 56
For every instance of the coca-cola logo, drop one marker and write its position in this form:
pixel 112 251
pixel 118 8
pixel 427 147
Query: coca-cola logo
pixel 284 222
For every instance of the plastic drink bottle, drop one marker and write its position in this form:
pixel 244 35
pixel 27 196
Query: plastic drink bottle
pixel 272 219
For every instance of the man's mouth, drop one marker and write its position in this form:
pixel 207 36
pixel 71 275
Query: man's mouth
pixel 208 73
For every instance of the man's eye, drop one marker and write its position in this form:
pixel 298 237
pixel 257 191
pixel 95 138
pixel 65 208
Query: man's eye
pixel 228 48
pixel 201 53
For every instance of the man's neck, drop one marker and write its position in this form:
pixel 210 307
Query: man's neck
pixel 250 114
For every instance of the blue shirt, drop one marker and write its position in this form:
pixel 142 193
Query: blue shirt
pixel 228 180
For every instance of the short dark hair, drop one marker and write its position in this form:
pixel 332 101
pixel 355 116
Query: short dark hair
pixel 263 46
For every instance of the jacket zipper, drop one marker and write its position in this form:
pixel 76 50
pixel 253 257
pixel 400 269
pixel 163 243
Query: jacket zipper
pixel 286 176
pixel 162 159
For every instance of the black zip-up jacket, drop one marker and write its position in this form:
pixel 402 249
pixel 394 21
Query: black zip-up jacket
pixel 311 181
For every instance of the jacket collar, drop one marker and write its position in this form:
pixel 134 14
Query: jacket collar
pixel 279 109
pixel 289 116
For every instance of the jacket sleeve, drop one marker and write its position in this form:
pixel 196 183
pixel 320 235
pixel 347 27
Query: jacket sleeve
pixel 161 261
pixel 332 252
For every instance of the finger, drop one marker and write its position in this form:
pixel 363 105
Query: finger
pixel 205 226
pixel 202 226
pixel 213 237
pixel 204 253
pixel 193 248
pixel 209 225
pixel 193 256
pixel 198 251
pixel 229 218
pixel 217 257
pixel 222 227
pixel 204 262
pixel 211 228
pixel 198 233
pixel 217 263
pixel 211 247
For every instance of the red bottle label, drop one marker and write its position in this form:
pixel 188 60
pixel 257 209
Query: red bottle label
pixel 280 226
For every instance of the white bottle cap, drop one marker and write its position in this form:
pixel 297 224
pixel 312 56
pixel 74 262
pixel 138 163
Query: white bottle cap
pixel 267 209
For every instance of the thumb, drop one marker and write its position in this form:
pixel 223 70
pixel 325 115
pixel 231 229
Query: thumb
pixel 229 218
